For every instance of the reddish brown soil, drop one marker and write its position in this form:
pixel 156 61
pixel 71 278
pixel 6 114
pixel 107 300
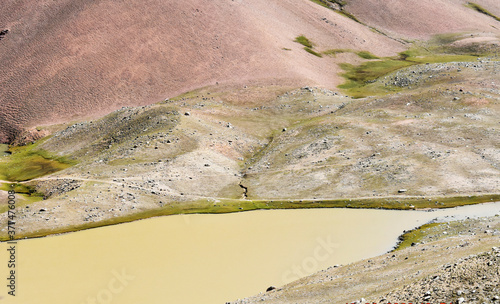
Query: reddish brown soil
pixel 424 18
pixel 68 59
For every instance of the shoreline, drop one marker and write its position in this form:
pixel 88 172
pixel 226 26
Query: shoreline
pixel 236 206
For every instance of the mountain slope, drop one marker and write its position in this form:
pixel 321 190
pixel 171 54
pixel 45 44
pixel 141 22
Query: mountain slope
pixel 422 19
pixel 66 59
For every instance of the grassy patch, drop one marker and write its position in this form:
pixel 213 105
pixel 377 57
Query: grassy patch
pixel 322 3
pixel 349 15
pixel 4 149
pixel 482 10
pixel 304 41
pixel 28 162
pixel 362 54
pixel 308 45
pixel 21 189
pixel 414 236
pixel 439 49
pixel 367 72
pixel 311 51
pixel 361 76
pixel 235 205
pixel 334 52
pixel 27 195
pixel 366 55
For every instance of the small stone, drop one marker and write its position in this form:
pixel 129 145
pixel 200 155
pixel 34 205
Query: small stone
pixel 402 190
pixel 187 113
pixel 460 300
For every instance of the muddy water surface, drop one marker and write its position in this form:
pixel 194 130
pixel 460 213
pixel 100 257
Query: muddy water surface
pixel 204 258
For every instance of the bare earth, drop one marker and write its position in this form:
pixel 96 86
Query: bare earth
pixel 70 59
pixel 66 59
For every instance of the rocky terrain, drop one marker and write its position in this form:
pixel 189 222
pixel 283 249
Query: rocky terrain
pixel 283 104
pixel 455 262
pixel 434 143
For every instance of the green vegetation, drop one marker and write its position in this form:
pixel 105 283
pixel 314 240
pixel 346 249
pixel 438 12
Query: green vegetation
pixel 349 15
pixel 334 52
pixel 482 10
pixel 4 149
pixel 361 76
pixel 27 194
pixel 362 54
pixel 311 51
pixel 308 45
pixel 28 162
pixel 235 205
pixel 322 3
pixel 341 11
pixel 21 189
pixel 414 236
pixel 366 55
pixel 304 41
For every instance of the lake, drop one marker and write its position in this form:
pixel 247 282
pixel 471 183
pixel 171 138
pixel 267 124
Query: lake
pixel 205 258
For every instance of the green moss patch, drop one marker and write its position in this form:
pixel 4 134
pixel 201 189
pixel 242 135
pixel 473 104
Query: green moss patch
pixel 304 41
pixel 311 51
pixel 482 10
pixel 359 77
pixel 414 236
pixel 28 162
pixel 362 54
pixel 308 45
pixel 366 55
